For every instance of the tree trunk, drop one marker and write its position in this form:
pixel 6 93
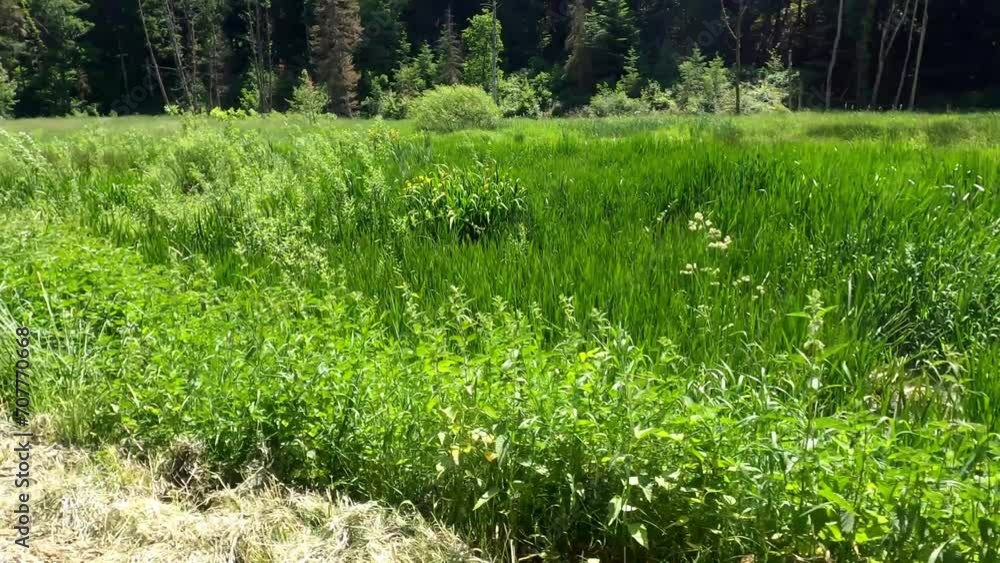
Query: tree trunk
pixel 802 85
pixel 863 52
pixel 496 95
pixel 152 56
pixel 193 50
pixel 737 34
pixel 833 54
pixel 906 60
pixel 920 55
pixel 178 54
pixel 888 40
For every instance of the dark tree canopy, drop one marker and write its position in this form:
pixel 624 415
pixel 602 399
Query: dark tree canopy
pixel 130 56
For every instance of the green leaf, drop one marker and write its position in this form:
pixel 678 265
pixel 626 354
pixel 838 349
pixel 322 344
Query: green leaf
pixel 614 509
pixel 638 533
pixel 936 554
pixel 487 496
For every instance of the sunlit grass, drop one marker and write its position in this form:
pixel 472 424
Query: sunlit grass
pixel 665 338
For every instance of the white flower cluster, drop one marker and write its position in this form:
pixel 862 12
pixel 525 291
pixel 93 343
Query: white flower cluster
pixel 715 238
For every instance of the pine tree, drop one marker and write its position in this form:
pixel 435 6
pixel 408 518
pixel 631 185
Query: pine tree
pixel 449 52
pixel 611 33
pixel 334 39
pixel 579 65
pixel 383 31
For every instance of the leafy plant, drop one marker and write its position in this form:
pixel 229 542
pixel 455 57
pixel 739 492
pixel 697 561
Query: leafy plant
pixel 609 102
pixel 468 201
pixel 8 93
pixel 453 108
pixel 308 99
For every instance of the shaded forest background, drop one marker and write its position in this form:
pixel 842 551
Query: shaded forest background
pixel 136 56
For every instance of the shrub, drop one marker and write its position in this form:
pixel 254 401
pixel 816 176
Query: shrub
pixel 231 114
pixel 8 94
pixel 524 96
pixel 704 86
pixel 610 103
pixel 467 202
pixel 517 97
pixel 258 87
pixel 383 101
pixel 308 99
pixel 659 99
pixel 771 90
pixel 452 108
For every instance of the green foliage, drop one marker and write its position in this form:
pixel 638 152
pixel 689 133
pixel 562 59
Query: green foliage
pixel 252 96
pixel 611 35
pixel 308 99
pixel 231 114
pixel 631 81
pixel 384 31
pixel 452 108
pixel 658 99
pixel 57 83
pixel 383 101
pixel 449 52
pixel 284 299
pixel 478 40
pixel 608 102
pixel 417 74
pixel 8 94
pixel 771 90
pixel 467 201
pixel 524 96
pixel 704 86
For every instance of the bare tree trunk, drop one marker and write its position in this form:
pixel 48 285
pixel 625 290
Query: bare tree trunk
pixel 920 55
pixel 833 54
pixel 862 51
pixel 802 85
pixel 268 60
pixel 152 55
pixel 193 49
pixel 495 92
pixel 178 54
pixel 906 60
pixel 737 34
pixel 888 40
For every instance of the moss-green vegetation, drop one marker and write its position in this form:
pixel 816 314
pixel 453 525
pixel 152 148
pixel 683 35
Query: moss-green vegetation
pixel 682 339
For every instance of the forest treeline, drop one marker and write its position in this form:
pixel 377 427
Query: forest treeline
pixel 59 57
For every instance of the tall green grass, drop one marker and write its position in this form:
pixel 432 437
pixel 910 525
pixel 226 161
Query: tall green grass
pixel 624 339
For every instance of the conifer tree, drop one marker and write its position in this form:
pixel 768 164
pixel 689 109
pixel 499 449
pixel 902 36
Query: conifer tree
pixel 334 39
pixel 449 52
pixel 579 66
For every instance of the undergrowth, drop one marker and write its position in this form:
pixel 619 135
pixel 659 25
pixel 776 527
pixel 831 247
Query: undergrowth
pixel 661 345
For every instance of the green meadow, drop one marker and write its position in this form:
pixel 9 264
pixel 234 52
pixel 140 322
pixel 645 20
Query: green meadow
pixel 763 338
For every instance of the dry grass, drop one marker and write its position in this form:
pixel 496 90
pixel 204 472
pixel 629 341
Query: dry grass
pixel 105 507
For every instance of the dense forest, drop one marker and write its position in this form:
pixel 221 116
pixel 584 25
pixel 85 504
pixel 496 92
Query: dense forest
pixel 59 57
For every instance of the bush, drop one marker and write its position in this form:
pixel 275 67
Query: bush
pixel 452 108
pixel 8 94
pixel 704 86
pixel 610 103
pixel 771 90
pixel 467 202
pixel 524 96
pixel 659 99
pixel 307 98
pixel 383 101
